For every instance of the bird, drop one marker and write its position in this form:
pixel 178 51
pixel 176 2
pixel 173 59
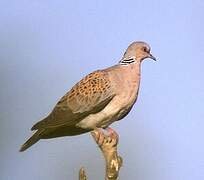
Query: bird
pixel 97 100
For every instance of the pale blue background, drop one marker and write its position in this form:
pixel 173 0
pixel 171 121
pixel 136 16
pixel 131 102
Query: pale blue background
pixel 47 46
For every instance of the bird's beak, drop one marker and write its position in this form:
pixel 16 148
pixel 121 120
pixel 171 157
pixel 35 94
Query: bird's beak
pixel 152 57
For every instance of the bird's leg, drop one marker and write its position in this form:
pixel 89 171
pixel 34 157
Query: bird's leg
pixel 98 135
pixel 113 135
pixel 108 145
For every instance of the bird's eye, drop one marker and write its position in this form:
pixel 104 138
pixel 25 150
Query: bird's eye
pixel 144 49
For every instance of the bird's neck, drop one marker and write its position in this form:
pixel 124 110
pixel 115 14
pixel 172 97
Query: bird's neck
pixel 130 78
pixel 125 61
pixel 131 63
pixel 132 67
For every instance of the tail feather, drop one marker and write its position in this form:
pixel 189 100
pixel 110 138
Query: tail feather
pixel 32 140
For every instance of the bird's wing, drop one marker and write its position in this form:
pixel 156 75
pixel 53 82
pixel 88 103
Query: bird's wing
pixel 88 96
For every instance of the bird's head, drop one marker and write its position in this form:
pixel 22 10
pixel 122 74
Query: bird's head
pixel 140 50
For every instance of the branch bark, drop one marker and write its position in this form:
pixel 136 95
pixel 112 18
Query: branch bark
pixel 82 174
pixel 107 142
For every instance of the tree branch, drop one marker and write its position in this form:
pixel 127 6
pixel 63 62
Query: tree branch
pixel 108 145
pixel 82 174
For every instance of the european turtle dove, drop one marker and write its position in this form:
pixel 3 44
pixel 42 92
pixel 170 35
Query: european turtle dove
pixel 98 100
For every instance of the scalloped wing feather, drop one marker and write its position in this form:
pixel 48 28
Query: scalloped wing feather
pixel 88 96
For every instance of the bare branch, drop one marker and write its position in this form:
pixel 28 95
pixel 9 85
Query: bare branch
pixel 108 145
pixel 82 174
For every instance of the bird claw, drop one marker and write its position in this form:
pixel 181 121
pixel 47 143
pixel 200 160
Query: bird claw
pixel 113 136
pixel 105 140
pixel 98 135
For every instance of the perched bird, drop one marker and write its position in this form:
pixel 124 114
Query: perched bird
pixel 98 100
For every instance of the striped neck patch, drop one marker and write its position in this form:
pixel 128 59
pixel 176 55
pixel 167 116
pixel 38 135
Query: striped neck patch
pixel 127 60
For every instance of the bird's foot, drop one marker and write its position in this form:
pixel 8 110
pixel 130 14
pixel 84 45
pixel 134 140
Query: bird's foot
pixel 113 134
pixel 105 140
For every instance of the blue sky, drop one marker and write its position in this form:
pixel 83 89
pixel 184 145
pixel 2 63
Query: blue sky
pixel 47 46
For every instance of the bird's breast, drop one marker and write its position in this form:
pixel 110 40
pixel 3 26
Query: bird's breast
pixel 129 94
pixel 126 88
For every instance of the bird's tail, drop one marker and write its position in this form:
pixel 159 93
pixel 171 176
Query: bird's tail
pixel 32 140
